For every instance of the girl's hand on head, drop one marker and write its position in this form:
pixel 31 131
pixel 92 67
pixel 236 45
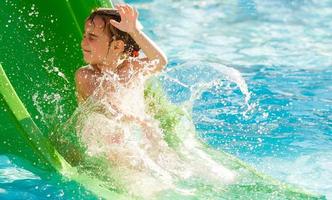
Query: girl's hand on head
pixel 128 16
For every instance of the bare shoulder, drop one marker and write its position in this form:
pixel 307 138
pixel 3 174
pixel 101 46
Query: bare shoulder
pixel 83 74
pixel 139 63
pixel 136 65
pixel 146 66
pixel 86 82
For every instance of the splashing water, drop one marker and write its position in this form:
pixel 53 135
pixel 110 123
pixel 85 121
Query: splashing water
pixel 119 123
pixel 202 77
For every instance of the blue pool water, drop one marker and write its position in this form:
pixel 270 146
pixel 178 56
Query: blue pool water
pixel 281 49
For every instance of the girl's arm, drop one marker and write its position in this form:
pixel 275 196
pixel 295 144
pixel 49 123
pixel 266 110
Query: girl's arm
pixel 151 50
pixel 128 24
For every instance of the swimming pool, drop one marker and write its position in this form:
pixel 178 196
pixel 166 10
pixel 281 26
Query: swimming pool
pixel 282 49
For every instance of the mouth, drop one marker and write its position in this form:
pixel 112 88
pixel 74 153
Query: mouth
pixel 86 51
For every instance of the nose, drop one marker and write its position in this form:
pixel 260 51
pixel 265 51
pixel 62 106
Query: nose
pixel 84 43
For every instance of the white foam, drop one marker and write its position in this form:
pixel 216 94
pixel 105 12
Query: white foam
pixel 310 171
pixel 11 174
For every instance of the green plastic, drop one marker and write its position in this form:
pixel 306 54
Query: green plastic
pixel 48 156
pixel 40 52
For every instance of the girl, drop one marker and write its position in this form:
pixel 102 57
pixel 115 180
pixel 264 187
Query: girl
pixel 118 126
pixel 111 37
pixel 114 80
pixel 111 45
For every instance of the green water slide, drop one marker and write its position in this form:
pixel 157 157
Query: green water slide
pixel 39 53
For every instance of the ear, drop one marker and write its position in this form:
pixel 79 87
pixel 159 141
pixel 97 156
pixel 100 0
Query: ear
pixel 117 46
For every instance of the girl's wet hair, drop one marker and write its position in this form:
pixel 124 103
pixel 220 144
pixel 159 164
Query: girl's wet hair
pixel 131 47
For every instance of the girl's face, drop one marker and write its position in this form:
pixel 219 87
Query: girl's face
pixel 95 42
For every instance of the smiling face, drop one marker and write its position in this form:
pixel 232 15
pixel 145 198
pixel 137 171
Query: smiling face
pixel 96 42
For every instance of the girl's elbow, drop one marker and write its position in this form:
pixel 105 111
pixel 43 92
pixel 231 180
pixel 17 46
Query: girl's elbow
pixel 162 64
pixel 163 61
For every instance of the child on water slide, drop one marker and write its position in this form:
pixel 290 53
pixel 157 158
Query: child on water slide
pixel 111 44
pixel 114 77
pixel 111 38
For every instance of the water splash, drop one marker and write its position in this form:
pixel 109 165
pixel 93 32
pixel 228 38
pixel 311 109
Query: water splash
pixel 54 115
pixel 202 77
pixel 118 124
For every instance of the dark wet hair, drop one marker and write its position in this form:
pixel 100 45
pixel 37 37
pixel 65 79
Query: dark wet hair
pixel 131 47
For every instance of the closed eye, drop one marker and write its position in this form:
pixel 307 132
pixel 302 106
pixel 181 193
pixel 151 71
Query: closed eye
pixel 91 36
